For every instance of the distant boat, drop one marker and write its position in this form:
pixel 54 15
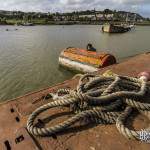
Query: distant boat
pixel 127 24
pixel 132 26
pixel 122 28
pixel 112 28
pixel 27 24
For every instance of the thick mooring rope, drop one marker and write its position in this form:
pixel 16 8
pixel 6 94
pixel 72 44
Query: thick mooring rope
pixel 102 100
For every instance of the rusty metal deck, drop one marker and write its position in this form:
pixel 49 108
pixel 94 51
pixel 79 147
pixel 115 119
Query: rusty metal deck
pixel 14 114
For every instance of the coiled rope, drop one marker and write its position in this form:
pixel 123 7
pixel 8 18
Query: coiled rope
pixel 102 100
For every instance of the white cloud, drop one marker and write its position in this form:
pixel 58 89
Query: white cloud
pixel 140 6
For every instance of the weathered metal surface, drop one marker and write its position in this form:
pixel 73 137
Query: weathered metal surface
pixel 132 66
pixel 14 114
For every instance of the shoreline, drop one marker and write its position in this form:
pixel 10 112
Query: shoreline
pixel 69 23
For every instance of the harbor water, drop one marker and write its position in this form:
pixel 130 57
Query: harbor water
pixel 29 55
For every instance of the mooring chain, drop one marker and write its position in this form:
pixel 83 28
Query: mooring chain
pixel 100 99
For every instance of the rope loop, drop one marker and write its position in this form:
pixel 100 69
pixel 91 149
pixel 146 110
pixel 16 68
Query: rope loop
pixel 99 99
pixel 130 134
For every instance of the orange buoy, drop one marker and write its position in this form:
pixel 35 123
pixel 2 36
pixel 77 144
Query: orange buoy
pixel 85 61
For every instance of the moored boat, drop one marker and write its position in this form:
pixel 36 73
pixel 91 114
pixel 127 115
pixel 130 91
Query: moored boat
pixel 85 61
pixel 111 28
pixel 27 24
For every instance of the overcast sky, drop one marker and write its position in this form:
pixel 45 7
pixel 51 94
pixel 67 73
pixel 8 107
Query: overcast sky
pixel 139 6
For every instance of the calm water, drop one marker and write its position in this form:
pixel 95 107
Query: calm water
pixel 29 56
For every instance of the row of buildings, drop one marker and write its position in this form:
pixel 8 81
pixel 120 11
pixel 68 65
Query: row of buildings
pixel 99 16
pixel 74 16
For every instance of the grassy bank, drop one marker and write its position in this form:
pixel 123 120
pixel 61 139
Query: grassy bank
pixel 47 22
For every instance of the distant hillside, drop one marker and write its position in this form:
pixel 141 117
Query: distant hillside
pixel 76 16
